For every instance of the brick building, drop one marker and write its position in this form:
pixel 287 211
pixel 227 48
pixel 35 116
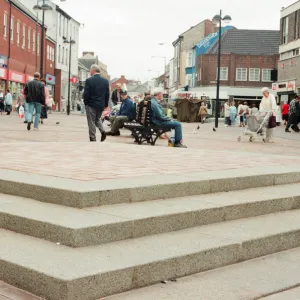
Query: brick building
pixel 20 46
pixel 115 81
pixel 186 41
pixel 289 63
pixel 247 60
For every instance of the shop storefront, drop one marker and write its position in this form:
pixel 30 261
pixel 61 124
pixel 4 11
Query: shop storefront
pixel 3 78
pixel 50 80
pixel 16 83
pixel 285 90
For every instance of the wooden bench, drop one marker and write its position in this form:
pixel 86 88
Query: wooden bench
pixel 142 128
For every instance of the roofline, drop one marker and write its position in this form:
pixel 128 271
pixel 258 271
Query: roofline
pixel 27 12
pixel 50 39
pixel 58 9
pixel 284 8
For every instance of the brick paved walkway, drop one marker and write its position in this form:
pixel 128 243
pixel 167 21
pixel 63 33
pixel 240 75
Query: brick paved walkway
pixel 63 151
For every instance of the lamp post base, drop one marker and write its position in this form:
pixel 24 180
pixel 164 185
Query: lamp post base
pixel 68 109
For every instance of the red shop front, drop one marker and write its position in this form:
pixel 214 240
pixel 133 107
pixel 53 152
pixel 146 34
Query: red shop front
pixel 16 83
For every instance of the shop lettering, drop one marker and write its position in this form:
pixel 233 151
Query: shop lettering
pixel 16 77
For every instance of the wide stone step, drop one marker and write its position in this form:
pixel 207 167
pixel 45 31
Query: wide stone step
pixel 97 225
pixel 59 272
pixel 80 194
pixel 270 277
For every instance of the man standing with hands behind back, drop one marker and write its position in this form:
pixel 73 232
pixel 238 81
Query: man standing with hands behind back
pixel 96 97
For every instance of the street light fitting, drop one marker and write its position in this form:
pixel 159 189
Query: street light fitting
pixel 72 42
pixel 37 8
pixel 227 19
pixel 46 7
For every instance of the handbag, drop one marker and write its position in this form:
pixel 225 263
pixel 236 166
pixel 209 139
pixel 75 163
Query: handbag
pixel 272 122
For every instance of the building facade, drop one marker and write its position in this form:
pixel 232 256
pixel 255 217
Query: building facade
pixel 186 41
pixel 122 80
pixel 20 47
pixel 61 28
pixel 289 62
pixel 248 59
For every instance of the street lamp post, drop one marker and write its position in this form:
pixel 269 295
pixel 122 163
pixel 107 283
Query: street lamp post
pixel 37 8
pixel 217 19
pixel 70 42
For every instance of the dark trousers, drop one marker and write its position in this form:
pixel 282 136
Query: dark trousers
pixel 293 120
pixel 94 121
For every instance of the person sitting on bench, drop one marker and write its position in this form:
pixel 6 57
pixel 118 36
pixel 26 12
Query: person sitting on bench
pixel 161 120
pixel 124 114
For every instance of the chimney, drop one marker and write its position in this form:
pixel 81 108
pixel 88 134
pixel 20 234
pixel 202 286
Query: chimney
pixel 88 52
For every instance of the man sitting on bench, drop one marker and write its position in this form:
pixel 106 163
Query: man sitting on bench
pixel 124 114
pixel 161 120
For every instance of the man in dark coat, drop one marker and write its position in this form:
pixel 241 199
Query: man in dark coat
pixel 96 97
pixel 116 95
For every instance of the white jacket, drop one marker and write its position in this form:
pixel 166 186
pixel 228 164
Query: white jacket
pixel 268 104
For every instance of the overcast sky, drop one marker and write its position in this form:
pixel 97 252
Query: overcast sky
pixel 125 33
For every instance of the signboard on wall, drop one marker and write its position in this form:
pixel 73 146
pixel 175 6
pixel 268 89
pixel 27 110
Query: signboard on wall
pixel 204 45
pixel 3 73
pixel 16 76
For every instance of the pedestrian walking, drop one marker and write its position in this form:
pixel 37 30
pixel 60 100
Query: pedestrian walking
pixel 253 110
pixel 44 112
pixel 268 106
pixel 35 97
pixel 294 113
pixel 96 97
pixel 227 114
pixel 232 113
pixel 285 112
pixel 8 102
pixel 1 101
pixel 241 113
pixel 203 113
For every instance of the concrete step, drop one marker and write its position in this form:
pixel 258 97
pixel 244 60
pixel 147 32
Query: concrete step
pixel 92 226
pixel 59 272
pixel 75 193
pixel 270 277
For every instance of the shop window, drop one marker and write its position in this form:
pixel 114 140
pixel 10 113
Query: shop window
pixel 241 74
pixel 254 74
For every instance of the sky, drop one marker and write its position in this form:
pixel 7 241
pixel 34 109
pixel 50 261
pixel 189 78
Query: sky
pixel 126 33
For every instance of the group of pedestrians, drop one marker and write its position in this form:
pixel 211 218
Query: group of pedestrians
pixel 293 118
pixel 5 102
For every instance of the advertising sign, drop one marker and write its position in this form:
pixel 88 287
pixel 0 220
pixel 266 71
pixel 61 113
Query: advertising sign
pixel 16 77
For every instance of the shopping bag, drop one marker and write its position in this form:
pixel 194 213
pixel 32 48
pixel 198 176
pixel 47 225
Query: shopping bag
pixel 272 122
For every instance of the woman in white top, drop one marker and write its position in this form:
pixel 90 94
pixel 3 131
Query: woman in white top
pixel 267 104
pixel 241 114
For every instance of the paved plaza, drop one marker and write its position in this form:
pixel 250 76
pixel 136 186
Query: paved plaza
pixel 61 149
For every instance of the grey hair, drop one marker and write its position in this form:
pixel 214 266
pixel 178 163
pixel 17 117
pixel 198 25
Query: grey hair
pixel 37 75
pixel 96 68
pixel 265 90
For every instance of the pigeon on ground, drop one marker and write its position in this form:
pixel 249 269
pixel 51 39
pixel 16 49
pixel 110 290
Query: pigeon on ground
pixel 57 123
pixel 198 127
pixel 214 129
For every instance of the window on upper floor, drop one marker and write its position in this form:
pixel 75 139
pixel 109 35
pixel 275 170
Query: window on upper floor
pixel 33 40
pixel 48 52
pixel 285 30
pixel 189 59
pixel 266 75
pixel 11 28
pixel 24 37
pixel 223 74
pixel 254 74
pixel 241 74
pixel 18 32
pixel 5 25
pixel 66 57
pixel 63 55
pixel 296 52
pixel 59 50
pixel 38 44
pixel 29 37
